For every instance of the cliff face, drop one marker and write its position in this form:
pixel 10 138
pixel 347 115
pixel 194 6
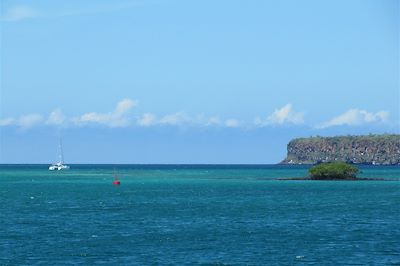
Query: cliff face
pixel 371 149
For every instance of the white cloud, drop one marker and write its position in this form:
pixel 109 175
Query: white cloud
pixel 21 12
pixel 175 119
pixel 7 121
pixel 24 121
pixel 213 121
pixel 181 119
pixel 56 118
pixel 117 118
pixel 30 120
pixel 147 119
pixel 353 117
pixel 281 116
pixel 232 122
pixel 17 13
pixel 124 106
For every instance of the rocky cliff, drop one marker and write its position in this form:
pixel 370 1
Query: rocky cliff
pixel 371 149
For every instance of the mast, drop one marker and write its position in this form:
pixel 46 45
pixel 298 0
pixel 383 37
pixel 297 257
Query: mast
pixel 61 153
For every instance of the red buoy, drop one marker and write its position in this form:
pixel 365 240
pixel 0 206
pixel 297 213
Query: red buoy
pixel 116 181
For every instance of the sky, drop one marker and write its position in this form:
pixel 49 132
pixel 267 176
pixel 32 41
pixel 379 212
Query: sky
pixel 157 81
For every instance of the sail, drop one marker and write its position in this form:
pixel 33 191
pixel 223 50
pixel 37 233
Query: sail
pixel 61 155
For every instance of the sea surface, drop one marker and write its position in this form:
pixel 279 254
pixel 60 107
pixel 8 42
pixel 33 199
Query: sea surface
pixel 196 215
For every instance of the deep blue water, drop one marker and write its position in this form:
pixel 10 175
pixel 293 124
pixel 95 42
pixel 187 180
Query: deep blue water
pixel 190 215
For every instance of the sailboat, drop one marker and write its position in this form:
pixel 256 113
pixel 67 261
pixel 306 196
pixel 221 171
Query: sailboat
pixel 60 165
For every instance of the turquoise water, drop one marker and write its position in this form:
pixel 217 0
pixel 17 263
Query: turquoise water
pixel 190 215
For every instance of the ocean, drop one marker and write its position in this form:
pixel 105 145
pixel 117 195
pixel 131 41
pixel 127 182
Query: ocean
pixel 196 215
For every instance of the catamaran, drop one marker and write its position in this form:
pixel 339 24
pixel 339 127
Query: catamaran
pixel 60 165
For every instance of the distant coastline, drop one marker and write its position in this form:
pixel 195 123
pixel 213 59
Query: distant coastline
pixel 365 149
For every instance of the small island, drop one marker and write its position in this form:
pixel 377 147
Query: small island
pixel 332 171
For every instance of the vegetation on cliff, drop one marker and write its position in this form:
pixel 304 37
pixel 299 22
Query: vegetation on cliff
pixel 333 170
pixel 370 149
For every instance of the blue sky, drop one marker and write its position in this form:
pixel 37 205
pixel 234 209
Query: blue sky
pixel 192 81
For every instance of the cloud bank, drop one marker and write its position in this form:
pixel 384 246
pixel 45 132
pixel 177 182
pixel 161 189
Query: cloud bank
pixel 122 117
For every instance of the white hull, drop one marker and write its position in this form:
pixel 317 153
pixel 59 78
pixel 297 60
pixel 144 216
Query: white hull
pixel 58 167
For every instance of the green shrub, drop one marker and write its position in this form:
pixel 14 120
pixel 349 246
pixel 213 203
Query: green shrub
pixel 334 170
